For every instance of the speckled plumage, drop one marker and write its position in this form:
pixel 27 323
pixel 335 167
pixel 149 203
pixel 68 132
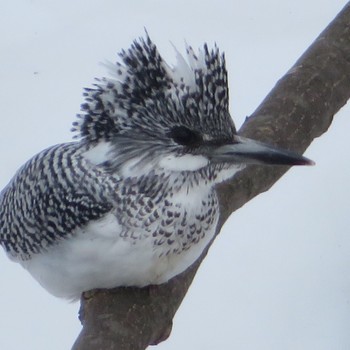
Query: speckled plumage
pixel 132 201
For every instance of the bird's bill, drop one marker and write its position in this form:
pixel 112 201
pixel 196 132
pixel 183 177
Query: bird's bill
pixel 247 151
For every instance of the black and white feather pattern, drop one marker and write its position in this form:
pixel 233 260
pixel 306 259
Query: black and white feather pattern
pixel 143 93
pixel 126 203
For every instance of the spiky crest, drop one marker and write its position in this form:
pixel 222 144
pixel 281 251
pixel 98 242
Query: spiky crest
pixel 144 96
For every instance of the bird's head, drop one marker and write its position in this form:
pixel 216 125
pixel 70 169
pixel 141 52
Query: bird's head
pixel 153 117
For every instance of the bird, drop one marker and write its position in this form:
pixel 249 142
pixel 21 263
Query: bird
pixel 131 200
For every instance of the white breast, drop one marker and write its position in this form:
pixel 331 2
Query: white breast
pixel 99 257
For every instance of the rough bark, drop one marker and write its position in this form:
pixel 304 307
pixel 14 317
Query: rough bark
pixel 299 108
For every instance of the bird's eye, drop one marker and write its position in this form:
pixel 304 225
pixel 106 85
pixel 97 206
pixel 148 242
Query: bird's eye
pixel 185 137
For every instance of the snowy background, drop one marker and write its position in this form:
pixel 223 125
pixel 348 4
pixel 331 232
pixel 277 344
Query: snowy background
pixel 278 276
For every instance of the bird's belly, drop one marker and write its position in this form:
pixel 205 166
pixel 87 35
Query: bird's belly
pixel 99 257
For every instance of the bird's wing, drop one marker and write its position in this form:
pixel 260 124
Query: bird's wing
pixel 54 193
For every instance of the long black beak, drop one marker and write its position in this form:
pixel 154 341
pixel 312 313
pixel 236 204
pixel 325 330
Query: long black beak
pixel 247 151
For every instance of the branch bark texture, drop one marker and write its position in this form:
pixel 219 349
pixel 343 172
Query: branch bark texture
pixel 299 108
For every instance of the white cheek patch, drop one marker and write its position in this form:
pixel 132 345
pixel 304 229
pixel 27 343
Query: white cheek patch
pixel 99 153
pixel 187 162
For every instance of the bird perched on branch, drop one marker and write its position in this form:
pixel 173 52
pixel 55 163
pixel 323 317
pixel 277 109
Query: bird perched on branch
pixel 132 201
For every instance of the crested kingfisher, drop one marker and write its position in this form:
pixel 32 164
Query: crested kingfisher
pixel 131 201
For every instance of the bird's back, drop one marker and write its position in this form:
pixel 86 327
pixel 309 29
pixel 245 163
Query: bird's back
pixel 51 195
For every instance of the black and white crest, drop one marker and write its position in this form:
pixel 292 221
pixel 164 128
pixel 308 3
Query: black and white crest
pixel 144 97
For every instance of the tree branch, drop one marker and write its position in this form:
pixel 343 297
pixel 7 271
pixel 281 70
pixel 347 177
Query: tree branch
pixel 299 108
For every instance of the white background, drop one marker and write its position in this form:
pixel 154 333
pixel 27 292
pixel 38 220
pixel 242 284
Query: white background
pixel 278 276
